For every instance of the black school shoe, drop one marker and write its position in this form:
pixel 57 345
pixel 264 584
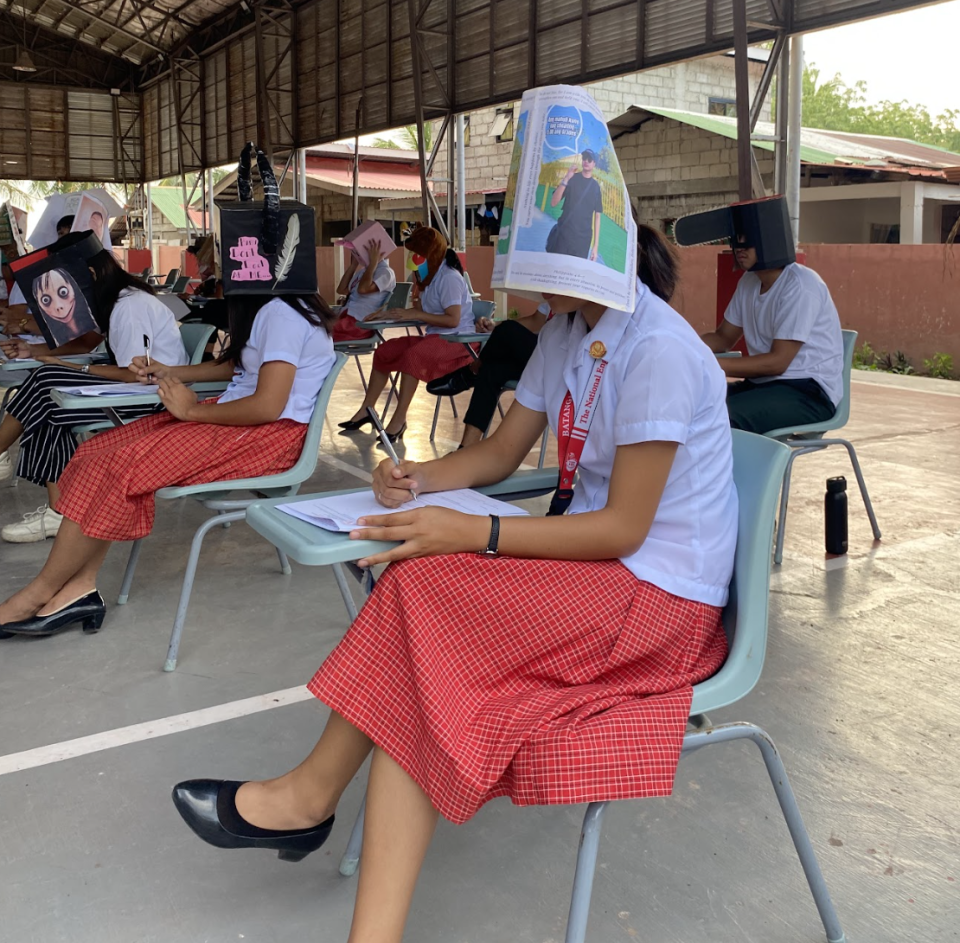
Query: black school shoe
pixel 88 610
pixel 457 382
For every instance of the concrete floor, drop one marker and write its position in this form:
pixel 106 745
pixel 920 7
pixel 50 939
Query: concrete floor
pixel 858 691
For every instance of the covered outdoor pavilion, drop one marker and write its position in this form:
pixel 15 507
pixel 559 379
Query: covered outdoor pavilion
pixel 862 659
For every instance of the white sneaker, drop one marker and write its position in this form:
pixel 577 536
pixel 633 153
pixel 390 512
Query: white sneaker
pixel 36 525
pixel 6 466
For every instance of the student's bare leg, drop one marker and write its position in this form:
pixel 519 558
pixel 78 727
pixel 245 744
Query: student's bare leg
pixel 53 494
pixel 471 436
pixel 70 571
pixel 375 385
pixel 399 824
pixel 10 430
pixel 308 794
pixel 408 386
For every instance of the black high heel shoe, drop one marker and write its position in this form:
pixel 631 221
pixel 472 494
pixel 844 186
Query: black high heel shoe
pixel 393 436
pixel 354 425
pixel 209 807
pixel 89 610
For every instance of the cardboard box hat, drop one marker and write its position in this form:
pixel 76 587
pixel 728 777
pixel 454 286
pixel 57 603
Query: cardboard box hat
pixel 763 225
pixel 58 287
pixel 268 246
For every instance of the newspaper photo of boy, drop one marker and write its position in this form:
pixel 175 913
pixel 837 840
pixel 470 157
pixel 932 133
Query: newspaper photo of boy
pixel 577 232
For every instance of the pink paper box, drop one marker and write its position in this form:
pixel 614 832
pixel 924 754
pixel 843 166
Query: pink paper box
pixel 363 234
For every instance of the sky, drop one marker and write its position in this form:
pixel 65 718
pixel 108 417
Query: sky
pixel 907 55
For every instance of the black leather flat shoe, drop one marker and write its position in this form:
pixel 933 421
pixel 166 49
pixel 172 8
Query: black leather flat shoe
pixel 89 610
pixel 453 383
pixel 209 807
pixel 353 425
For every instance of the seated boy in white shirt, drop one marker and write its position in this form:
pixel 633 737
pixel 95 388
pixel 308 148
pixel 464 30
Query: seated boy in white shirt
pixel 793 371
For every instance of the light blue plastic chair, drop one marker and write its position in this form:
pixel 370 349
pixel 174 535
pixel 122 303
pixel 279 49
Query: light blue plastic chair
pixel 216 496
pixel 810 438
pixel 758 467
pixel 194 336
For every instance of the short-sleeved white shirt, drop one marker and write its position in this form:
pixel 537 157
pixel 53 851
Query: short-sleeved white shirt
pixel 447 288
pixel 280 333
pixel 662 384
pixel 359 305
pixel 798 307
pixel 16 296
pixel 138 314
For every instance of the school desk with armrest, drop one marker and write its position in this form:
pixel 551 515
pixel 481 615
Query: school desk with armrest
pixel 220 497
pixel 14 373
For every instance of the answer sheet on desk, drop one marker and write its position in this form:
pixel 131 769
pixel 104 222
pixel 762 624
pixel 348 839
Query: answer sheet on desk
pixel 342 512
pixel 111 389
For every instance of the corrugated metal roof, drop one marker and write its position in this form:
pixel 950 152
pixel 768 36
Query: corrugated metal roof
pixel 169 200
pixel 834 148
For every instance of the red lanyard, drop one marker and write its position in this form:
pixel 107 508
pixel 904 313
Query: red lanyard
pixel 572 430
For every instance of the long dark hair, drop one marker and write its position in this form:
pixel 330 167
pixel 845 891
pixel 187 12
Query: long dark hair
pixel 657 262
pixel 109 280
pixel 453 260
pixel 242 309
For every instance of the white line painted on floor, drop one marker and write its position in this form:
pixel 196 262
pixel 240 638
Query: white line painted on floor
pixel 135 733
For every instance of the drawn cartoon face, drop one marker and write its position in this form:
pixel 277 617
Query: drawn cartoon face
pixel 56 294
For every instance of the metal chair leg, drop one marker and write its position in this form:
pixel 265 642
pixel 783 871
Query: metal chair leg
pixel 128 572
pixel 453 406
pixel 188 577
pixel 285 567
pixel 344 588
pixel 543 447
pixel 788 805
pixel 436 416
pixel 363 379
pixel 351 855
pixel 855 462
pixel 586 868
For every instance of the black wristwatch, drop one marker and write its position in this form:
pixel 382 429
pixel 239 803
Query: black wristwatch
pixel 491 550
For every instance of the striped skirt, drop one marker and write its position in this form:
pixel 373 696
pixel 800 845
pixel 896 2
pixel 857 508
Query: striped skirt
pixel 108 488
pixel 426 358
pixel 547 681
pixel 46 444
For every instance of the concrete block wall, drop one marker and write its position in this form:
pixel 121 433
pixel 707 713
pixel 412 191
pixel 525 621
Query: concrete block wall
pixel 687 86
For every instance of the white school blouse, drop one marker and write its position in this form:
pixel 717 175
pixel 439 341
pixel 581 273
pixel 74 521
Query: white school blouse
pixel 280 333
pixel 447 288
pixel 662 383
pixel 359 305
pixel 138 314
pixel 798 307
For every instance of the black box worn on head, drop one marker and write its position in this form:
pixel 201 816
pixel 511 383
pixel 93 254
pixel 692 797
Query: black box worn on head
pixel 760 224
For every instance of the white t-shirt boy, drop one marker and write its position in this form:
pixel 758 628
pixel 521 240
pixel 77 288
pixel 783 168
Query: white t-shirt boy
pixel 359 305
pixel 798 307
pixel 280 333
pixel 447 288
pixel 661 384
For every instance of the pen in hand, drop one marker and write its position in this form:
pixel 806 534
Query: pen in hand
pixel 146 348
pixel 385 439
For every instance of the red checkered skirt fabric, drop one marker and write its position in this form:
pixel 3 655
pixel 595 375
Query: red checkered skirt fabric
pixel 425 358
pixel 551 682
pixel 108 486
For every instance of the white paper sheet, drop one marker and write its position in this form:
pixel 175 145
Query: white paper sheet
pixel 341 513
pixel 110 389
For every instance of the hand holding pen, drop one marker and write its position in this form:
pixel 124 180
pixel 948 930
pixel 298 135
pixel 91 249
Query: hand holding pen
pixel 402 487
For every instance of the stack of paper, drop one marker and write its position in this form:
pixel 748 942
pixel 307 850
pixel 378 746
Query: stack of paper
pixel 341 512
pixel 111 389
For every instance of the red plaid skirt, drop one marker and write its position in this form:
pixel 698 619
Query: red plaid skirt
pixel 551 682
pixel 108 486
pixel 425 358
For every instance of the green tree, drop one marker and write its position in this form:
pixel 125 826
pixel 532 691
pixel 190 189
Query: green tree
pixel 833 105
pixel 28 194
pixel 407 138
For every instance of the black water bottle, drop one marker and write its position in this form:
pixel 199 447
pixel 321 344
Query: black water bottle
pixel 835 515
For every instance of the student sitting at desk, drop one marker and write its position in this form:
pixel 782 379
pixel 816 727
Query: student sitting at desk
pixel 545 659
pixel 445 307
pixel 279 355
pixel 512 343
pixel 135 318
pixel 367 289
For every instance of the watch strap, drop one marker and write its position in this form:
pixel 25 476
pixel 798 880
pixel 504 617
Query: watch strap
pixel 491 549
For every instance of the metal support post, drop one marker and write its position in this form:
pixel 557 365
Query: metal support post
pixel 793 134
pixel 461 185
pixel 742 74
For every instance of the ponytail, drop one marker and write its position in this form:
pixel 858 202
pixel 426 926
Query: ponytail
pixel 453 260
